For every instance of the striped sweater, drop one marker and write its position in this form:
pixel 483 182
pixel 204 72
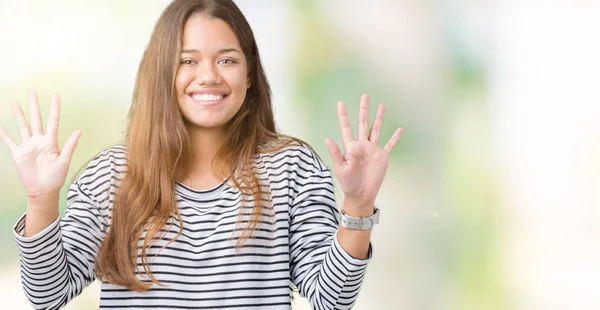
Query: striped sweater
pixel 296 247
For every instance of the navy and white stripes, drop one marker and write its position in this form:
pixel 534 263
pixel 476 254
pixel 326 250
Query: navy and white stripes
pixel 294 246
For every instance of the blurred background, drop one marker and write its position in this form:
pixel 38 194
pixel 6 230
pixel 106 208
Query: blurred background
pixel 491 199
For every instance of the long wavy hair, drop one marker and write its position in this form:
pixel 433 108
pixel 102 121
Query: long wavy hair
pixel 157 137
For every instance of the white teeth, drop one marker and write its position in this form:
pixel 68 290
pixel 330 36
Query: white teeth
pixel 207 97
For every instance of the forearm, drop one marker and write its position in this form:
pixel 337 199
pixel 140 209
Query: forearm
pixel 330 278
pixel 356 242
pixel 41 212
pixel 328 274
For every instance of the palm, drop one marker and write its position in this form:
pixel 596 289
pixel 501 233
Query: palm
pixel 37 165
pixel 365 168
pixel 362 168
pixel 41 165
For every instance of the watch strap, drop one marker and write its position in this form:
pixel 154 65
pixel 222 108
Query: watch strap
pixel 359 223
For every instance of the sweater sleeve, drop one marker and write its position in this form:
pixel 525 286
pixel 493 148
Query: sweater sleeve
pixel 58 262
pixel 321 269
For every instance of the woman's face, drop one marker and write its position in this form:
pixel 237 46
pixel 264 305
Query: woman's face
pixel 212 77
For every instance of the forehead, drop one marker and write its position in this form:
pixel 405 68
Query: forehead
pixel 208 34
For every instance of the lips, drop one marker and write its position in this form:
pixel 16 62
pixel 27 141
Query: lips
pixel 208 98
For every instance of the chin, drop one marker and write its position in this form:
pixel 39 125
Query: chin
pixel 205 124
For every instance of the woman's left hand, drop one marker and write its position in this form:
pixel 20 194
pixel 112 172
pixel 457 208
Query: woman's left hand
pixel 362 167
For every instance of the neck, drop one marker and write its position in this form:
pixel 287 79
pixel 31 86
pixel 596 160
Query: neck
pixel 205 144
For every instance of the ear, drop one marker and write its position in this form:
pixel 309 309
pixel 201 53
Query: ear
pixel 248 82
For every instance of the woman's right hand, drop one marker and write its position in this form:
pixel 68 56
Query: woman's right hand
pixel 41 165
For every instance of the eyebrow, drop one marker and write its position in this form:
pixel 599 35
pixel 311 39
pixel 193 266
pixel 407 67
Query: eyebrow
pixel 221 51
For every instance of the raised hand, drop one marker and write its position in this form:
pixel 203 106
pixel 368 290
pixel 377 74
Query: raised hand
pixel 41 165
pixel 361 169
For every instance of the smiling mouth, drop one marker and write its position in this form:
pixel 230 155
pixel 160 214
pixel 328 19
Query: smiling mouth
pixel 207 99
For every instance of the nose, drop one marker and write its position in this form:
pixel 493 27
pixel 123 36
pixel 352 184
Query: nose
pixel 207 75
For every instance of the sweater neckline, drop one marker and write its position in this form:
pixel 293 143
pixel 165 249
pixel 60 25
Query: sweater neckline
pixel 213 192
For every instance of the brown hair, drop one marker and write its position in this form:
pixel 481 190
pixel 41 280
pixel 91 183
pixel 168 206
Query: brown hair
pixel 157 137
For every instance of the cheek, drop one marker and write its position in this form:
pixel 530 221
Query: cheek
pixel 238 82
pixel 182 80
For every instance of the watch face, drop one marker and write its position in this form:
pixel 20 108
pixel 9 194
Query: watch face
pixel 376 216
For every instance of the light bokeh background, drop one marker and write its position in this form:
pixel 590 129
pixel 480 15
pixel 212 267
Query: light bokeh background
pixel 491 200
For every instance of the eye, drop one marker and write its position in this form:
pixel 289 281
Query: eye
pixel 226 61
pixel 187 62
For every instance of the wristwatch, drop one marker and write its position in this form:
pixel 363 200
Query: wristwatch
pixel 359 223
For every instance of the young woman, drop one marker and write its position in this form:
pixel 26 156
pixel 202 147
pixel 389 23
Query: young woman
pixel 205 205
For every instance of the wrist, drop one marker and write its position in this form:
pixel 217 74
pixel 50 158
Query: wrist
pixel 358 207
pixel 42 201
pixel 361 222
pixel 43 195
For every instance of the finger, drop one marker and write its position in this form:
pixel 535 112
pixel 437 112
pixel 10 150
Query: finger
pixel 335 153
pixel 35 117
pixel 363 118
pixel 67 152
pixel 345 126
pixel 377 123
pixel 393 140
pixel 21 121
pixel 54 117
pixel 7 140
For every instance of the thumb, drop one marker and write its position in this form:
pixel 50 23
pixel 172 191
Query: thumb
pixel 67 152
pixel 335 153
